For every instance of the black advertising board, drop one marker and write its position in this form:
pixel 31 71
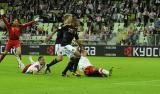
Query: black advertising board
pixel 93 50
pixel 32 49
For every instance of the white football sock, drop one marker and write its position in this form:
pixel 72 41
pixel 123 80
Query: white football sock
pixel 21 65
pixel 105 72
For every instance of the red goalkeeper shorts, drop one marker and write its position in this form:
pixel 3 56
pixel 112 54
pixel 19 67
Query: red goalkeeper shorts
pixel 12 43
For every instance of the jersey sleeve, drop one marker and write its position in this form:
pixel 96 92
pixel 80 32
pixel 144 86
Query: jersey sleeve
pixel 31 60
pixel 4 18
pixel 27 24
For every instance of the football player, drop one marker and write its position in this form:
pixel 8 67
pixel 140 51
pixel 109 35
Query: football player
pixel 35 67
pixel 89 70
pixel 69 33
pixel 14 30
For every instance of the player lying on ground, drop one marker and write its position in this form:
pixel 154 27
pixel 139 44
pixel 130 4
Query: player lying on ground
pixel 90 70
pixel 86 67
pixel 14 31
pixel 34 67
pixel 69 32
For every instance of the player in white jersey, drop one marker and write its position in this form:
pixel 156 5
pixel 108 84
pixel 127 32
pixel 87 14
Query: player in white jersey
pixel 34 67
pixel 90 70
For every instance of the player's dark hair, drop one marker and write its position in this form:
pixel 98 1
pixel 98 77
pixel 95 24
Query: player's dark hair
pixel 40 57
pixel 14 17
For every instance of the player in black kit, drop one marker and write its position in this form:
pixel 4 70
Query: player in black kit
pixel 69 32
pixel 73 53
pixel 58 41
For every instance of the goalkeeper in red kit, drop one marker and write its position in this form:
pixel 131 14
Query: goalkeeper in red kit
pixel 14 31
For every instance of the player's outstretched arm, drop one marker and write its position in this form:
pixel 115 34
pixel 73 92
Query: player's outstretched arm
pixel 50 36
pixel 31 60
pixel 4 18
pixel 30 23
pixel 20 63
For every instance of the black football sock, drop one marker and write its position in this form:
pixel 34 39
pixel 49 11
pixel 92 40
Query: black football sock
pixel 70 64
pixel 52 63
pixel 71 67
pixel 76 61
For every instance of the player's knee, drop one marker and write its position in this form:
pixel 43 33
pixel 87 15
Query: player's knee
pixel 78 54
pixel 19 52
pixel 59 59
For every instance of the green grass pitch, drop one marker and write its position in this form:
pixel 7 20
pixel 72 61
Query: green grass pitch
pixel 130 76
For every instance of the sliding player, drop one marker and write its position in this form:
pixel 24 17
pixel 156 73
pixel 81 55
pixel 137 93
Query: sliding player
pixel 34 67
pixel 90 70
pixel 14 30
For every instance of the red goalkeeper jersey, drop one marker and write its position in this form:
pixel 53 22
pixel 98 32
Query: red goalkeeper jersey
pixel 14 31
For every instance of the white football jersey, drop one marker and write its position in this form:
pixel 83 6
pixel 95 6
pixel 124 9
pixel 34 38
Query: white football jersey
pixel 34 67
pixel 83 63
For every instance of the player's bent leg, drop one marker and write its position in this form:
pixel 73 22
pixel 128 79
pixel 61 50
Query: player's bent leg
pixel 77 54
pixel 70 65
pixel 7 49
pixel 75 73
pixel 53 62
pixel 22 66
pixel 76 61
pixel 71 52
pixel 104 72
pixel 60 58
pixel 18 51
pixel 3 55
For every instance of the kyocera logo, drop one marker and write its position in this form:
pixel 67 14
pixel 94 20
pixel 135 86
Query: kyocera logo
pixel 147 51
pixel 128 51
pixel 142 51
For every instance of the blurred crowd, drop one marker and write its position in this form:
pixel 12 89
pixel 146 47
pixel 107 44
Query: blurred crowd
pixel 97 17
